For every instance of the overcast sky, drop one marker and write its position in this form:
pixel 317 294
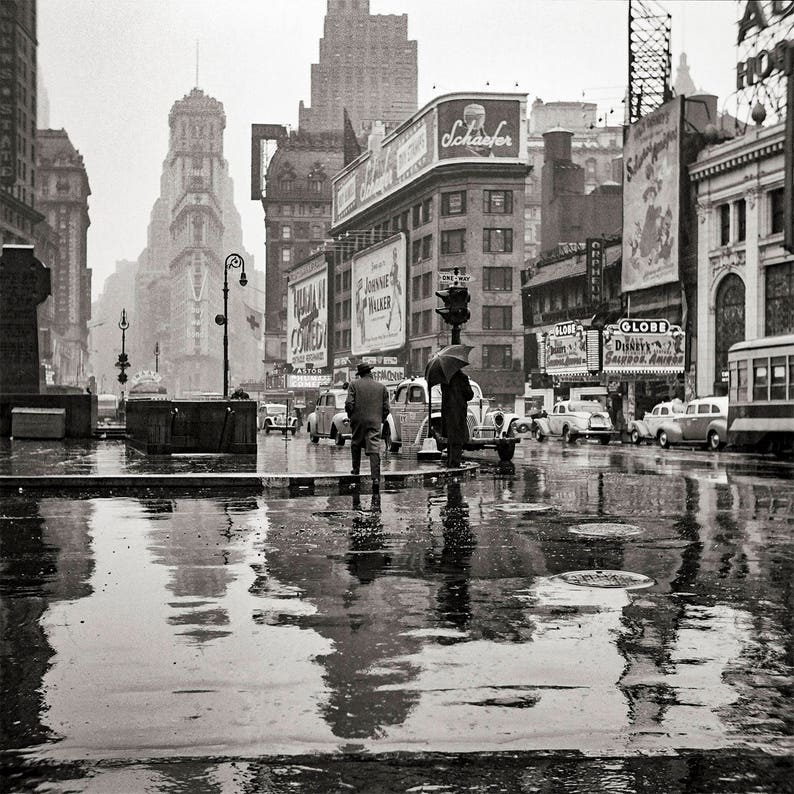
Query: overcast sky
pixel 112 69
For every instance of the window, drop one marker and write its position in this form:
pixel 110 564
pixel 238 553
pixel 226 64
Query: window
pixel 286 255
pixel 286 232
pixel 416 251
pixel 427 210
pixel 760 379
pixel 453 203
pixel 704 408
pixel 741 220
pixel 776 211
pixel 497 241
pixel 497 357
pixel 777 383
pixel 497 318
pixel 725 223
pixel 497 279
pixel 427 285
pixel 416 214
pixel 416 289
pixel 779 299
pixel 497 202
pixel 427 246
pixel 453 241
pixel 416 319
pixel 317 232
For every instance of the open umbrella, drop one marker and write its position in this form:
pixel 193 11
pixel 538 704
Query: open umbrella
pixel 444 364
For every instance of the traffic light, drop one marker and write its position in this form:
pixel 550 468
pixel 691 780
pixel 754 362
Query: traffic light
pixel 445 311
pixel 459 305
pixel 123 363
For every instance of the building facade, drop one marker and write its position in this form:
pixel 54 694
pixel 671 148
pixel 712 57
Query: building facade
pixel 367 66
pixel 745 277
pixel 62 191
pixel 179 284
pixel 444 193
pixel 18 216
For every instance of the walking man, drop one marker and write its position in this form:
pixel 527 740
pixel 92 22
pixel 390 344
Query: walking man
pixel 367 405
pixel 455 396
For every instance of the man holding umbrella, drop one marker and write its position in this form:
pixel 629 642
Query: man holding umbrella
pixel 446 368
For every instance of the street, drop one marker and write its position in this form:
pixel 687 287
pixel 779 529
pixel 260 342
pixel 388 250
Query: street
pixel 237 642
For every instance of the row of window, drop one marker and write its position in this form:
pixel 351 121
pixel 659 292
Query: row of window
pixel 317 231
pixel 493 357
pixel 773 379
pixel 732 217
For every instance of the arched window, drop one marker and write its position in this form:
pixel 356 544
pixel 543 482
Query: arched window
pixel 316 178
pixel 286 178
pixel 729 317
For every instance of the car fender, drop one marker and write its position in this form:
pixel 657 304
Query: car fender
pixel 393 426
pixel 543 425
pixel 342 423
pixel 721 426
pixel 673 430
pixel 641 427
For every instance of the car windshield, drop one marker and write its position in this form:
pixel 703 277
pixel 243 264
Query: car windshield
pixel 275 409
pixel 585 407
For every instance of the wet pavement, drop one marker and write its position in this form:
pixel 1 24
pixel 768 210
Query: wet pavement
pixel 582 619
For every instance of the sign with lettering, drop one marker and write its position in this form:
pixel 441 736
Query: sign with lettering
pixel 479 127
pixel 446 277
pixel 651 198
pixel 648 346
pixel 307 314
pixel 595 268
pixel 378 277
pixel 306 380
pixel 566 350
pixel 8 94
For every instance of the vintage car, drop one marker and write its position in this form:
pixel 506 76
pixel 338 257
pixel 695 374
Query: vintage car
pixel 572 419
pixel 273 417
pixel 328 419
pixel 408 420
pixel 648 427
pixel 705 421
pixel 506 424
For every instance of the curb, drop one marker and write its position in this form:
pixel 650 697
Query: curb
pixel 287 484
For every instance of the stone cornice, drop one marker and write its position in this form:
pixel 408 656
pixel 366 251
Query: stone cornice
pixel 736 154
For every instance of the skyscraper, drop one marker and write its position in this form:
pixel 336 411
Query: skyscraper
pixel 367 67
pixel 179 282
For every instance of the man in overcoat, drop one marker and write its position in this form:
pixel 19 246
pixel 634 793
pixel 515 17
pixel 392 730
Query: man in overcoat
pixel 455 396
pixel 367 405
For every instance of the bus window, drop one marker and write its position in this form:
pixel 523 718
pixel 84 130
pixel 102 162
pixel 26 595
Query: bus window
pixel 777 384
pixel 760 379
pixel 791 377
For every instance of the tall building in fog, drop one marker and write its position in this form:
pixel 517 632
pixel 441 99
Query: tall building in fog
pixel 62 192
pixel 18 217
pixel 367 67
pixel 194 226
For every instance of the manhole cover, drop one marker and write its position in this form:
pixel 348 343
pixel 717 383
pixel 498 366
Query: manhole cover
pixel 606 530
pixel 623 579
pixel 523 507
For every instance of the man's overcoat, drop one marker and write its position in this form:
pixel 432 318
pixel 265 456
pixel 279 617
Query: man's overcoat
pixel 367 405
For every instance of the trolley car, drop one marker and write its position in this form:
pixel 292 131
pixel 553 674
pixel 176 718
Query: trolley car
pixel 761 395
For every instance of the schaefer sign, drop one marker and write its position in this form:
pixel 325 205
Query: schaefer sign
pixel 378 306
pixel 643 346
pixel 462 126
pixel 651 198
pixel 566 350
pixel 307 314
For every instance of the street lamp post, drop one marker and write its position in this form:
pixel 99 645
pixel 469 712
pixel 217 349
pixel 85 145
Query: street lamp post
pixel 157 356
pixel 233 260
pixel 123 362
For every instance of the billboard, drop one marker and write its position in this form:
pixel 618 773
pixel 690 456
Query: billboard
pixel 566 350
pixel 462 126
pixel 8 91
pixel 643 346
pixel 479 128
pixel 651 198
pixel 378 277
pixel 307 314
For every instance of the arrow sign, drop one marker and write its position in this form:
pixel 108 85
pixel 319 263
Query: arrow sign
pixel 451 278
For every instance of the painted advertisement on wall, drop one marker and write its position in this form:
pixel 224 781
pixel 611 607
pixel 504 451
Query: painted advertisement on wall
pixel 643 346
pixel 566 350
pixel 479 128
pixel 387 167
pixel 307 314
pixel 379 296
pixel 651 198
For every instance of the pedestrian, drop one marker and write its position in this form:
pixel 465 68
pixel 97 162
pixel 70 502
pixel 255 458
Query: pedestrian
pixel 367 405
pixel 455 396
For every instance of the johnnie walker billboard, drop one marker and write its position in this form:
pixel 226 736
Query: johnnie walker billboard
pixel 652 198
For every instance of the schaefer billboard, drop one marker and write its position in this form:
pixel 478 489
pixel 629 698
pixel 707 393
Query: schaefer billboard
pixel 479 128
pixel 651 198
pixel 307 314
pixel 462 126
pixel 643 346
pixel 378 278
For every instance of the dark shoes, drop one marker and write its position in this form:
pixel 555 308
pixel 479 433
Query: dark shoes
pixel 354 472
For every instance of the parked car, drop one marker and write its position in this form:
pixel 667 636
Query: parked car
pixel 506 424
pixel 328 419
pixel 273 418
pixel 572 419
pixel 407 422
pixel 648 426
pixel 705 421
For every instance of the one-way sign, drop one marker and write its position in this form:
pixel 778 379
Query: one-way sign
pixel 454 278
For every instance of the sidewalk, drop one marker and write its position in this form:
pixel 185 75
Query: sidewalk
pixel 293 464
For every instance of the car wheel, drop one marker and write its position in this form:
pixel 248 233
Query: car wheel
pixel 713 442
pixel 664 441
pixel 566 434
pixel 635 436
pixel 294 430
pixel 511 431
pixel 603 440
pixel 339 440
pixel 539 435
pixel 313 437
pixel 267 430
pixel 506 452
